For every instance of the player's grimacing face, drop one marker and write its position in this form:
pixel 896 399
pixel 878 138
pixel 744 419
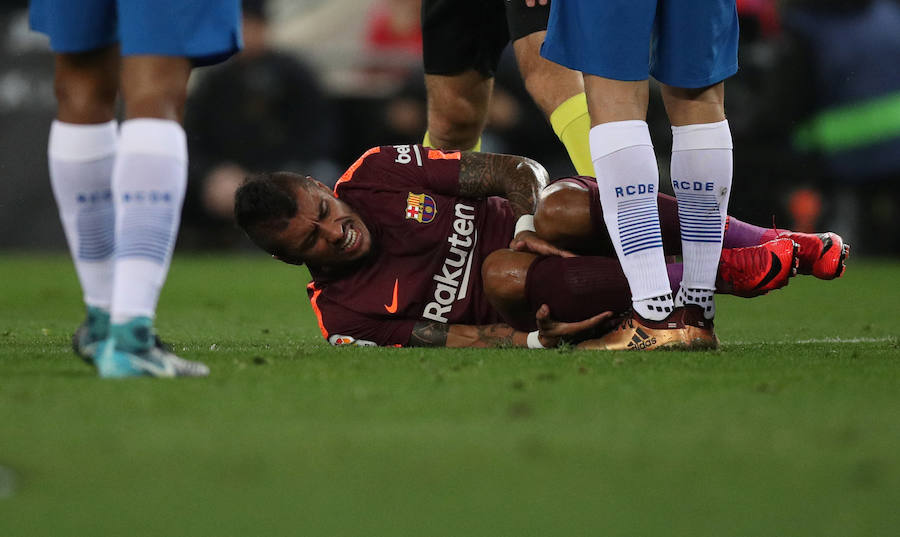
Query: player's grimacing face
pixel 325 231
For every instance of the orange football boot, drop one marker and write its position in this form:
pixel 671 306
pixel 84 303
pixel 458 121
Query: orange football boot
pixel 756 270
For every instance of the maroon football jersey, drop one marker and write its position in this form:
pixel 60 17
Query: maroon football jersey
pixel 428 247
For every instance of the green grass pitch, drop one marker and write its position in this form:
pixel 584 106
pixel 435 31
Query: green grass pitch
pixel 792 428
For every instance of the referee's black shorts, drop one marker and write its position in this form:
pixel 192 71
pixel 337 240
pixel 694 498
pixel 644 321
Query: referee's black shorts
pixel 458 35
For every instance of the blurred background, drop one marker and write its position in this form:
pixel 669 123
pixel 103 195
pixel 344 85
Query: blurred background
pixel 814 111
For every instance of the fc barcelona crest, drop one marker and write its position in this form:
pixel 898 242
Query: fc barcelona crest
pixel 420 207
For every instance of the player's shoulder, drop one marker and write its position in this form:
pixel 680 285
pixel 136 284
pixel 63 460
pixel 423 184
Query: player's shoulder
pixel 360 173
pixel 353 171
pixel 404 162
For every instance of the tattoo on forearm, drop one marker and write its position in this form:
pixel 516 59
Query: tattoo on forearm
pixel 496 335
pixel 429 334
pixel 478 174
pixel 435 334
pixel 488 174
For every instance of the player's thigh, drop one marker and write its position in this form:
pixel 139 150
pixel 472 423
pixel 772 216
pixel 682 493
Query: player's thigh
pixel 75 27
pixel 608 39
pixel 462 35
pixel 205 31
pixel 695 43
pixel 569 215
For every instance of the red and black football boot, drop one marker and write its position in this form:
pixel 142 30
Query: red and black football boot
pixel 756 270
pixel 821 254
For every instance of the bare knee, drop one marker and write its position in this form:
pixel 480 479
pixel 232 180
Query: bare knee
pixel 86 86
pixel 563 215
pixel 454 131
pixel 691 106
pixel 616 100
pixel 504 273
pixel 155 87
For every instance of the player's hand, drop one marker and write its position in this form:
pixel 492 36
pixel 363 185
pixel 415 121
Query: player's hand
pixel 528 241
pixel 551 331
pixel 532 3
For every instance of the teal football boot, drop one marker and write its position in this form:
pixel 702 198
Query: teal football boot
pixel 90 333
pixel 132 350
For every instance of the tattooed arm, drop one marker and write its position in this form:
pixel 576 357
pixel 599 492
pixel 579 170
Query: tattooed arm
pixel 435 334
pixel 518 179
pixel 551 332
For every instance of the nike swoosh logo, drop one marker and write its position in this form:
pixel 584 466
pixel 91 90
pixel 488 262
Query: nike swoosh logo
pixel 773 272
pixel 826 244
pixel 164 369
pixel 393 307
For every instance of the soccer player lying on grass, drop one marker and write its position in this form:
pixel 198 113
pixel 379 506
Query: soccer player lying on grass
pixel 411 248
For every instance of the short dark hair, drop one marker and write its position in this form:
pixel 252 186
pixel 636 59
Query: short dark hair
pixel 265 203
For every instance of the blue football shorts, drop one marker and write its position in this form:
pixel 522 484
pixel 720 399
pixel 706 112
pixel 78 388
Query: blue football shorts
pixel 206 31
pixel 682 43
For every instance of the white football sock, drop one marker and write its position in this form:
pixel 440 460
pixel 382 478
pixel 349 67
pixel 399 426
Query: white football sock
pixel 81 161
pixel 628 179
pixel 701 177
pixel 149 180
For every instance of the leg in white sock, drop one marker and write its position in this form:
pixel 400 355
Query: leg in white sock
pixel 81 161
pixel 701 177
pixel 149 181
pixel 628 180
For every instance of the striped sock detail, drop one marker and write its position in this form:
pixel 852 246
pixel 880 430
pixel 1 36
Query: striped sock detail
pixel 147 226
pixel 638 221
pixel 95 225
pixel 699 216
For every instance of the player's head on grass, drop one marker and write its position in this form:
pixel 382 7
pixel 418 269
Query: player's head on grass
pixel 299 220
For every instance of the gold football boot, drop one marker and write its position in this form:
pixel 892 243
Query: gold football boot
pixel 636 333
pixel 699 333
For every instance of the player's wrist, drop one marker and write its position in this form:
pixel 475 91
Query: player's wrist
pixel 524 223
pixel 534 340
